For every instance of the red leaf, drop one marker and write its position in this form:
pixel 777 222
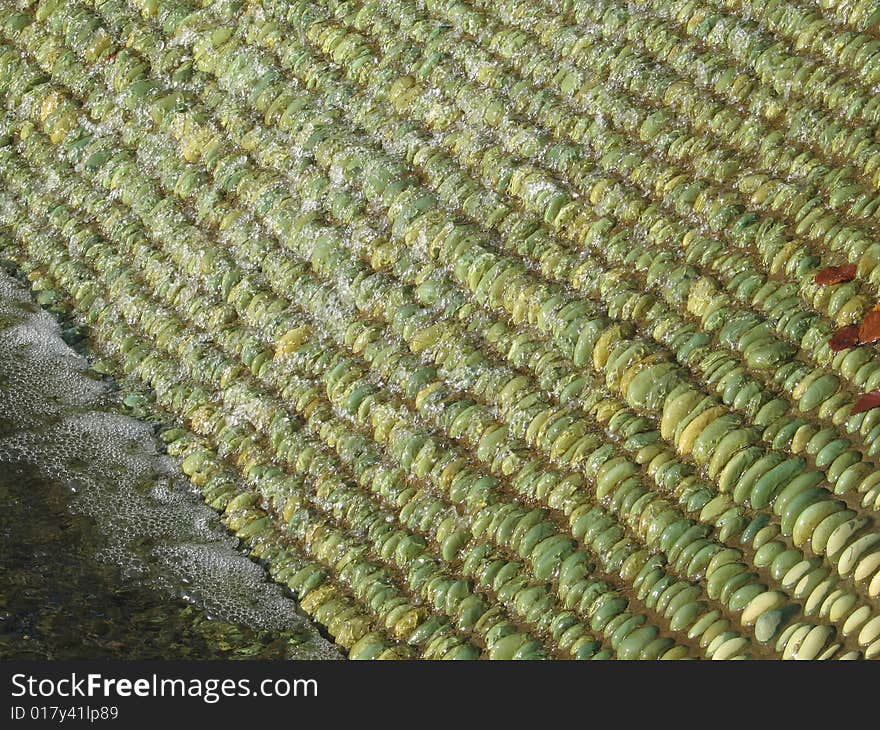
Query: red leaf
pixel 844 338
pixel 836 274
pixel 866 402
pixel 869 330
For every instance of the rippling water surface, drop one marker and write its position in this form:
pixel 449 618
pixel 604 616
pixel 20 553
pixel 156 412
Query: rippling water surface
pixel 106 552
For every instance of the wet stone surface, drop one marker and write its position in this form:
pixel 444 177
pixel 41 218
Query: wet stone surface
pixel 106 553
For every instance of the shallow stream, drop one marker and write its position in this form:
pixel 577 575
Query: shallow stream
pixel 105 551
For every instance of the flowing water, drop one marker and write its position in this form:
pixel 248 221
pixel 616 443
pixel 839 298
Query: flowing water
pixel 106 552
pixel 496 329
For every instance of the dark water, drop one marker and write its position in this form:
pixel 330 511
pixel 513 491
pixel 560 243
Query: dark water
pixel 58 602
pixel 105 551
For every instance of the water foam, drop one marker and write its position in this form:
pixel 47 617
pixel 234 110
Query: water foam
pixel 58 417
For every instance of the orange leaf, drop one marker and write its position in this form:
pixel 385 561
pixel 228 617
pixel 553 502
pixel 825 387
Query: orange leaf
pixel 844 338
pixel 836 274
pixel 866 402
pixel 876 307
pixel 869 330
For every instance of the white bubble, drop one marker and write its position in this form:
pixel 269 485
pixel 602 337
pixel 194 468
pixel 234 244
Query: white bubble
pixel 56 416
